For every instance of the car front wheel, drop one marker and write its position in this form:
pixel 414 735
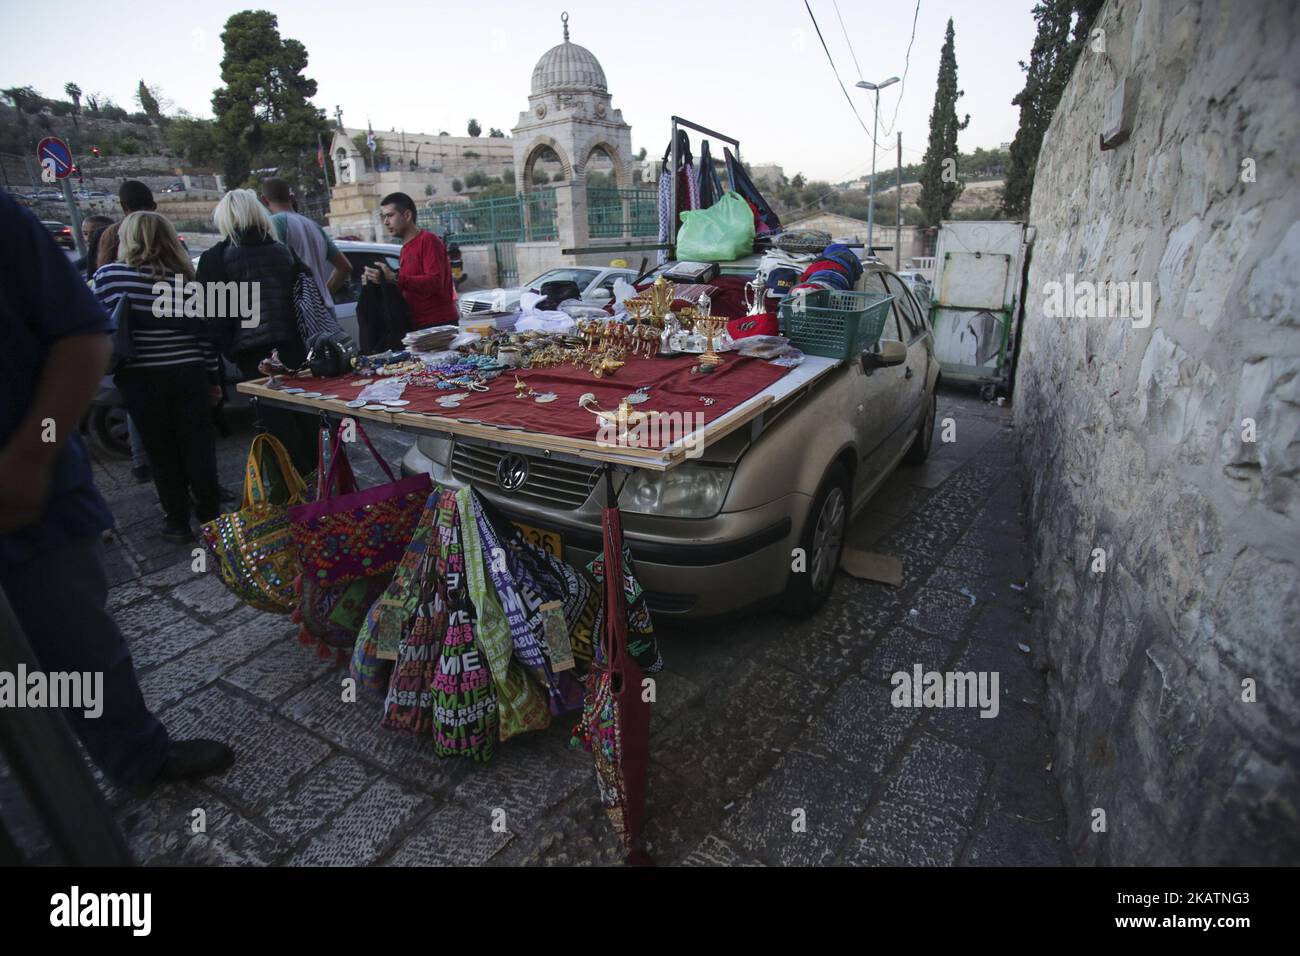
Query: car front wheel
pixel 821 544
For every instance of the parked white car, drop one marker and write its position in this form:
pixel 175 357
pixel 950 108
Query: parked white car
pixel 597 285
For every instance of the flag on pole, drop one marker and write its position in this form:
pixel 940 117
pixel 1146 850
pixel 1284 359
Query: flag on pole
pixel 370 137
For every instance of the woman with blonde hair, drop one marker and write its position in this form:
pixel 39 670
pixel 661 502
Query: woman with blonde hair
pixel 174 378
pixel 250 252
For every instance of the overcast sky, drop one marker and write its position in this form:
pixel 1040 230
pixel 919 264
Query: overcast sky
pixel 751 68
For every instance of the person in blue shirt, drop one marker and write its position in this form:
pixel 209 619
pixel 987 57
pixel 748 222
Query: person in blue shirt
pixel 52 517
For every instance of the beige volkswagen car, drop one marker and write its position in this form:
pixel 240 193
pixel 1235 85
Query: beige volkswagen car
pixel 719 534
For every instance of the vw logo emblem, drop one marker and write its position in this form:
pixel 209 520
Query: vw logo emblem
pixel 512 472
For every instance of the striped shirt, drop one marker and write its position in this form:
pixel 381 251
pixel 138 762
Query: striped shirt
pixel 159 341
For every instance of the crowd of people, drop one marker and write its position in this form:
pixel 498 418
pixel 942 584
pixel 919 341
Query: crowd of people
pixel 66 325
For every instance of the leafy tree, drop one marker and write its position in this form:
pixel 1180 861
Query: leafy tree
pixel 92 103
pixel 798 181
pixel 939 189
pixel 540 178
pixel 457 185
pixel 473 128
pixel 192 139
pixel 641 154
pixel 264 117
pixel 476 180
pixel 508 176
pixel 1051 61
pixel 470 154
pixel 24 98
pixel 496 133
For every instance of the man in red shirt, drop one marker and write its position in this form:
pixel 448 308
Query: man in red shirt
pixel 424 272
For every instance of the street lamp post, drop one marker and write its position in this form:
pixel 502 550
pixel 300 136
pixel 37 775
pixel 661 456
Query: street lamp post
pixel 875 123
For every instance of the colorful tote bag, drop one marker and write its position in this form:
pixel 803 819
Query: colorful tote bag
pixel 525 577
pixel 521 704
pixel 465 720
pixel 254 547
pixel 381 634
pixel 409 703
pixel 348 535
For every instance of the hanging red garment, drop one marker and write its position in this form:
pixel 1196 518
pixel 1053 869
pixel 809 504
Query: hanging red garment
pixel 616 717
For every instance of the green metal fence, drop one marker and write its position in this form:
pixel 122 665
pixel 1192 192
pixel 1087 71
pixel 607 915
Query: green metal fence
pixel 612 213
pixel 527 218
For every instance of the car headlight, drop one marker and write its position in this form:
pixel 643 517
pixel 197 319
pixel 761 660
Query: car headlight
pixel 687 491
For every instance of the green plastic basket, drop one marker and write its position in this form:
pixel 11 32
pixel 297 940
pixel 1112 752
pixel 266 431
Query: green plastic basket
pixel 836 325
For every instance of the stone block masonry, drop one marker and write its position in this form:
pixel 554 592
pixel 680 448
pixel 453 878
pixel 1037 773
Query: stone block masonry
pixel 1170 451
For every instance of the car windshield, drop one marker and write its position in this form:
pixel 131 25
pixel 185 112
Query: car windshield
pixel 582 277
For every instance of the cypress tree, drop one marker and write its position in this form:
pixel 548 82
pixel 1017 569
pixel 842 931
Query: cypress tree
pixel 937 196
pixel 1051 61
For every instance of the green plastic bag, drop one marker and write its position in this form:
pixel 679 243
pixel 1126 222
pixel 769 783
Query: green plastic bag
pixel 722 233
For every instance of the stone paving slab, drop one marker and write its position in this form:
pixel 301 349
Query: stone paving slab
pixel 364 829
pixel 326 790
pixel 451 836
pixel 157 631
pixel 860 728
pixel 182 676
pixel 271 751
pixel 898 833
pixel 799 814
pixel 285 667
pixel 941 775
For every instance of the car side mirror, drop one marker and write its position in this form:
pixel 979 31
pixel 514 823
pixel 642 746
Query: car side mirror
pixel 891 353
pixel 602 295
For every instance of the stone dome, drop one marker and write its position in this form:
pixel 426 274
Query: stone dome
pixel 570 68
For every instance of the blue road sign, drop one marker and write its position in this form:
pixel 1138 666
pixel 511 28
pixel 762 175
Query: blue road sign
pixel 56 151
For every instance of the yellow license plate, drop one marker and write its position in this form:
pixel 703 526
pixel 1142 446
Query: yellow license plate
pixel 549 541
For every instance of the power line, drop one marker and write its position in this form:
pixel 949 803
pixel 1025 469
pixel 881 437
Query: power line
pixel 907 65
pixel 831 60
pixel 846 37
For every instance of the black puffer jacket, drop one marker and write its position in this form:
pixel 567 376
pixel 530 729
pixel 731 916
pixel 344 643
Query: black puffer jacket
pixel 256 257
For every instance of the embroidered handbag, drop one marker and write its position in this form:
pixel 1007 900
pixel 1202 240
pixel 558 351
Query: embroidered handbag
pixel 253 547
pixel 331 614
pixel 357 534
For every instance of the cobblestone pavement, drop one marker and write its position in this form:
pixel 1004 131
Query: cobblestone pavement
pixel 756 720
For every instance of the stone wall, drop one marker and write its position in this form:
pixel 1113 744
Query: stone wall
pixel 1133 437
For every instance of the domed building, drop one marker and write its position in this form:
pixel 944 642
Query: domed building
pixel 570 115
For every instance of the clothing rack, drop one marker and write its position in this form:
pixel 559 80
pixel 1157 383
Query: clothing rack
pixel 672 175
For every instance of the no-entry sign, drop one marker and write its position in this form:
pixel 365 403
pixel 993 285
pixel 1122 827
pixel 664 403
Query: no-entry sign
pixel 54 156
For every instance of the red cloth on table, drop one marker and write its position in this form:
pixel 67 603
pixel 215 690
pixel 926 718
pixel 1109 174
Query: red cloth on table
pixel 424 277
pixel 673 389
